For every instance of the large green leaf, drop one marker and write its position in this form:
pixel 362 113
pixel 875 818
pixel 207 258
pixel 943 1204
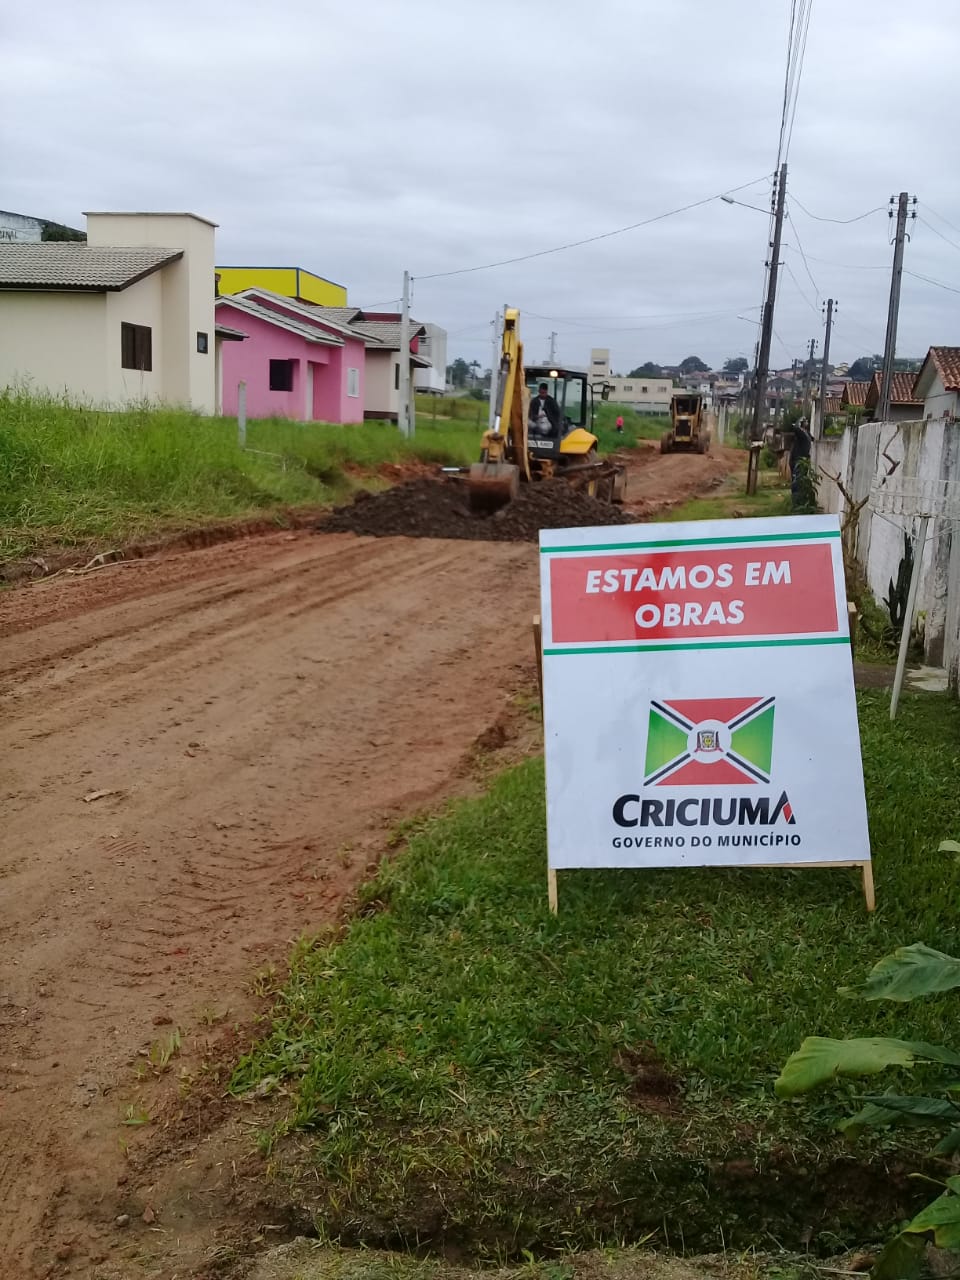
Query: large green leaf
pixel 921 1108
pixel 949 1144
pixel 942 1217
pixel 948 846
pixel 891 1109
pixel 820 1060
pixel 908 973
pixel 901 1259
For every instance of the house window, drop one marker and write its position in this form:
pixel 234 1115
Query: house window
pixel 396 376
pixel 136 347
pixel 628 387
pixel 281 375
pixel 643 390
pixel 203 343
pixel 353 382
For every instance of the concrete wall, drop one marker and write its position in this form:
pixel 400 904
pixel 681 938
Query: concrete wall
pixel 189 376
pixel 54 343
pixel 924 454
pixel 432 347
pixel 381 399
pixel 141 303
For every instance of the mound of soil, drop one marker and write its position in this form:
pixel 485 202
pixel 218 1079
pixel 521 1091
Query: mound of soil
pixel 439 508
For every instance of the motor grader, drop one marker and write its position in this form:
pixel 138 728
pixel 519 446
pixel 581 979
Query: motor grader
pixel 519 449
pixel 688 425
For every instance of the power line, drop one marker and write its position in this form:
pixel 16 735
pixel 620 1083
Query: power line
pixel 930 227
pixel 931 209
pixel 841 222
pixel 605 235
pixel 800 289
pixel 816 290
pixel 929 280
pixel 846 266
pixel 806 8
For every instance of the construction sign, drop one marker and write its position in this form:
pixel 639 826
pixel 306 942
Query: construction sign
pixel 698 696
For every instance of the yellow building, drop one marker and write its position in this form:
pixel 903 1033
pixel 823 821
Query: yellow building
pixel 289 282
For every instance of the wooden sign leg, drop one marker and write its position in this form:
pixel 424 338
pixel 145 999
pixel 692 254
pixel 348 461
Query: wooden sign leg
pixel 868 891
pixel 552 891
pixel 538 647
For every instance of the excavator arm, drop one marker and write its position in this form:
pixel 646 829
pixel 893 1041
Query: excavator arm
pixel 504 457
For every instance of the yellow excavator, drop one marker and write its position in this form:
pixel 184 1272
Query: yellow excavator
pixel 540 431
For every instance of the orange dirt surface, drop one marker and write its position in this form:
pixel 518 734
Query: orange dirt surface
pixel 203 753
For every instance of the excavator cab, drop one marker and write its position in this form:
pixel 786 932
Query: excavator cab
pixel 570 389
pixel 517 449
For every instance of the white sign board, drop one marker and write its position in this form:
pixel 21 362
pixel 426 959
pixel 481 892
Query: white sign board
pixel 698 696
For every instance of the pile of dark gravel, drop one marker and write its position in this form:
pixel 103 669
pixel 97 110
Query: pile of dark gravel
pixel 439 508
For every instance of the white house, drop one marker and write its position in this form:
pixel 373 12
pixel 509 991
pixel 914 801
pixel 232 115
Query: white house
pixel 432 346
pixel 938 383
pixel 644 394
pixel 127 316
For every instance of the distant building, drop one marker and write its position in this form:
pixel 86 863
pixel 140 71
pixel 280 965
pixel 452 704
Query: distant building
pixel 432 346
pixel 904 406
pixel 20 228
pixel 645 395
pixel 288 282
pixel 938 383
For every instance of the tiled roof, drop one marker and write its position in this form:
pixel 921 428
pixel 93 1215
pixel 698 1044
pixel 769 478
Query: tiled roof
pixel 855 393
pixel 832 404
pixel 947 363
pixel 387 331
pixel 92 268
pixel 304 328
pixel 232 335
pixel 901 390
pixel 279 302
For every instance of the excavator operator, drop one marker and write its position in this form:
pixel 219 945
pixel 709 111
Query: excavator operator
pixel 544 413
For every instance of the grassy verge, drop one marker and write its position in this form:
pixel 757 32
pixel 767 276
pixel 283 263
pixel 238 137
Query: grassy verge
pixel 71 475
pixel 462 1066
pixel 314 1260
pixel 730 499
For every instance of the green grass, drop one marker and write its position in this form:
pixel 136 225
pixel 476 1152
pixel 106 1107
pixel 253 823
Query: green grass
pixel 730 499
pixel 71 475
pixel 460 1061
pixel 635 427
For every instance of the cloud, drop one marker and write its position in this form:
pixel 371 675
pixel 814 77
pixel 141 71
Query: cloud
pixel 363 140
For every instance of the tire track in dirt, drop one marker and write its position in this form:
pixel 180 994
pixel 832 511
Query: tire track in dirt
pixel 259 715
pixel 251 724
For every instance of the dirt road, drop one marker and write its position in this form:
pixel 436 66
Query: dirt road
pixel 200 753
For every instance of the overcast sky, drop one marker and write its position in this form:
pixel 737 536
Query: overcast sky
pixel 359 139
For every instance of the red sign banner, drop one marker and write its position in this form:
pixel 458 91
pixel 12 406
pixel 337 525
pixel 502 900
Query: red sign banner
pixel 693 594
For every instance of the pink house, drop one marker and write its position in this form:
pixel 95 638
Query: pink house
pixel 296 364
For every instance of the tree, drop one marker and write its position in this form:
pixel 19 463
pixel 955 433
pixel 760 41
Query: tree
pixel 56 231
pixel 693 364
pixel 648 370
pixel 736 364
pixel 458 372
pixel 863 369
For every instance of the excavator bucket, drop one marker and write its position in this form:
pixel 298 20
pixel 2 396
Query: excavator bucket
pixel 492 485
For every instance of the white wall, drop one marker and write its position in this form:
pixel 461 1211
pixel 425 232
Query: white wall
pixel 434 349
pixel 54 343
pixel 380 400
pixel 188 298
pixel 925 454
pixel 141 303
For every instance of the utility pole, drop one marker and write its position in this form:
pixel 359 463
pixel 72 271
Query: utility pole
pixel 890 346
pixel 808 368
pixel 766 330
pixel 553 348
pixel 403 408
pixel 495 368
pixel 823 368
